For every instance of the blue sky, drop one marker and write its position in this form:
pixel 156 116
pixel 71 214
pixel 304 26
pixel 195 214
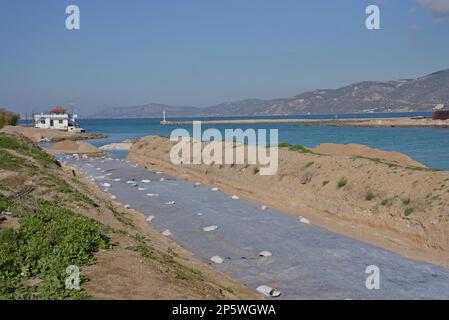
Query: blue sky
pixel 204 52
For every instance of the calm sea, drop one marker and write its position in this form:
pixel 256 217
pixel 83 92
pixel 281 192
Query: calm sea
pixel 429 146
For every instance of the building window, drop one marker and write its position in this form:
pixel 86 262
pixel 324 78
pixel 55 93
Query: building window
pixel 60 121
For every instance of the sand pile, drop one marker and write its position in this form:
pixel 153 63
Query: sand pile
pixel 359 150
pixel 392 204
pixel 72 147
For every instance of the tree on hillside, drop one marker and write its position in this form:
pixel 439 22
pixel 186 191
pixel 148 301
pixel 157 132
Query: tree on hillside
pixel 8 118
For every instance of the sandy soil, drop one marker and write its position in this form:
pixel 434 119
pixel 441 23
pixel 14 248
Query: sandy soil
pixel 359 150
pixel 387 202
pixel 72 147
pixel 42 135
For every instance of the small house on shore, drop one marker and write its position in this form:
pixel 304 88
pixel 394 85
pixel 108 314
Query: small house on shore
pixel 58 118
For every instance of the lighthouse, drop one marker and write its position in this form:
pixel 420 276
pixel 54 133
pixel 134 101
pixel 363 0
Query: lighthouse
pixel 163 116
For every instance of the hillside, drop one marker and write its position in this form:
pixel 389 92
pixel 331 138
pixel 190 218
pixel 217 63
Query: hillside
pixel 421 94
pixel 51 216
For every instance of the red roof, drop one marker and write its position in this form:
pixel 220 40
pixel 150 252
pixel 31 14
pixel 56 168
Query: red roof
pixel 58 109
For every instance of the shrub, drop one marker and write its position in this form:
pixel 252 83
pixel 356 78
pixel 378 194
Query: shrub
pixel 369 196
pixel 342 182
pixel 8 118
pixel 406 201
pixel 408 211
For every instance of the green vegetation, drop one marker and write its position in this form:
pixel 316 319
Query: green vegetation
pixel 408 211
pixel 181 272
pixel 256 170
pixel 8 118
pixel 34 258
pixel 11 143
pixel 369 196
pixel 325 183
pixel 298 148
pixel 406 201
pixel 342 182
pixel 309 164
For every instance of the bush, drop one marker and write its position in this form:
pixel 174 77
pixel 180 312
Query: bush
pixel 8 118
pixel 342 182
pixel 369 196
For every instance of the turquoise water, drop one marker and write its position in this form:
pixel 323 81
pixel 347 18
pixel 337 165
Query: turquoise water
pixel 429 146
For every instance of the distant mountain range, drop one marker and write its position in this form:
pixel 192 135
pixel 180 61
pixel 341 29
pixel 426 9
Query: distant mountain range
pixel 409 95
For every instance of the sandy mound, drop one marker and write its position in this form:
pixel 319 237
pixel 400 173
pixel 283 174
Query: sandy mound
pixel 72 147
pixel 359 150
pixel 402 207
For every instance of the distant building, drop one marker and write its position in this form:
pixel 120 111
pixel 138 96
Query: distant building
pixel 58 118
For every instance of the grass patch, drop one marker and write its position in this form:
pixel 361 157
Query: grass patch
pixel 256 170
pixel 34 258
pixel 406 201
pixel 324 183
pixel 297 147
pixel 408 211
pixel 342 182
pixel 12 143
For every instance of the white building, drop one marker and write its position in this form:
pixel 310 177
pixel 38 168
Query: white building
pixel 58 118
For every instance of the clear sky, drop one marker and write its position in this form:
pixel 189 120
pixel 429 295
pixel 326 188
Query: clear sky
pixel 204 52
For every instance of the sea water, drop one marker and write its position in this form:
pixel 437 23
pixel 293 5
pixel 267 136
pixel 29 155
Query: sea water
pixel 429 146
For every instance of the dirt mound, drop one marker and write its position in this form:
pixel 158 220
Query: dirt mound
pixel 72 147
pixel 359 150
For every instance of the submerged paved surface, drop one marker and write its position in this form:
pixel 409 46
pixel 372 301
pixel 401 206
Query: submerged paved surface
pixel 308 262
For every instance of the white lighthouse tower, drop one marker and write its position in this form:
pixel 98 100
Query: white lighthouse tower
pixel 163 116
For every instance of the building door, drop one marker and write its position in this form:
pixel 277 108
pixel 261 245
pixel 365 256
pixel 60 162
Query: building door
pixel 51 123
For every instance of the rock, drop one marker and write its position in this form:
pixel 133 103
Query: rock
pixel 263 207
pixel 127 206
pixel 141 189
pixel 170 203
pixel 214 189
pixel 235 197
pixel 162 179
pixel 210 228
pixel 113 197
pixel 268 291
pixel 149 218
pixel 304 220
pixel 217 259
pixel 166 233
pixel 265 254
pixel 107 185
